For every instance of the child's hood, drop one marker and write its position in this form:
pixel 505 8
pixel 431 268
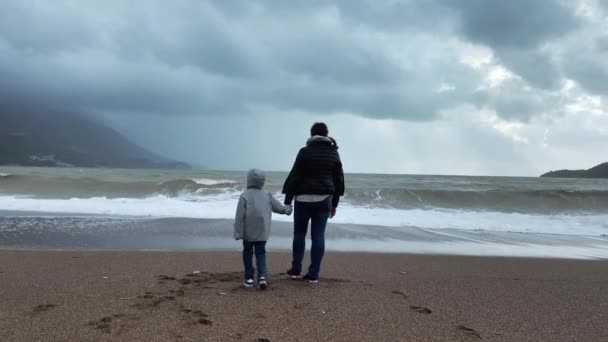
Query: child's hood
pixel 256 179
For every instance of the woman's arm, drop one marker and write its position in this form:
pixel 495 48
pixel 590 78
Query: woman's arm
pixel 289 188
pixel 338 178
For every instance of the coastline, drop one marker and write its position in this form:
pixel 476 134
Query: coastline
pixel 37 231
pixel 152 296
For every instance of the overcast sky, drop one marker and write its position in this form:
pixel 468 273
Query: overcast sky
pixel 514 87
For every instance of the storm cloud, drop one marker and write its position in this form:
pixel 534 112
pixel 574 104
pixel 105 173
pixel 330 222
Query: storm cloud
pixel 524 62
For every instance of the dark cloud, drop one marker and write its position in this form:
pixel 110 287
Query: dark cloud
pixel 589 72
pixel 335 60
pixel 514 23
pixel 516 30
pixel 467 81
pixel 405 15
pixel 375 59
pixel 511 100
pixel 203 62
pixel 537 67
pixel 187 43
pixel 587 63
pixel 602 44
pixel 42 30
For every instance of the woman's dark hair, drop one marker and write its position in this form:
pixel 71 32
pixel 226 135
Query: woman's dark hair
pixel 319 128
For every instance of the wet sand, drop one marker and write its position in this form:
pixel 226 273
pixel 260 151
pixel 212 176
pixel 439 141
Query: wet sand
pixel 154 296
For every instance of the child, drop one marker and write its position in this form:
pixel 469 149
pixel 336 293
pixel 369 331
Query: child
pixel 252 225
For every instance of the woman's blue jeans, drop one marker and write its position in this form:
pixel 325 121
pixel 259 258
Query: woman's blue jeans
pixel 317 213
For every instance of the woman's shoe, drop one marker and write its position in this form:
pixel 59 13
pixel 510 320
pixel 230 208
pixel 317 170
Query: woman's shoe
pixel 310 279
pixel 293 274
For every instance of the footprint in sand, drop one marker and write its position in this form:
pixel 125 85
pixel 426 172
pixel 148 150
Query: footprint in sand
pixel 420 309
pixel 148 295
pixel 335 280
pixel 468 331
pixel 199 316
pixel 105 324
pixel 204 321
pixel 151 300
pixel 300 306
pixel 43 308
pixel 199 313
pixel 259 316
pixel 202 278
pixel 185 281
pixel 400 293
pixel 179 292
pixel 175 335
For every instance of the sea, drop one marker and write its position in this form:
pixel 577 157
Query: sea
pixel 192 210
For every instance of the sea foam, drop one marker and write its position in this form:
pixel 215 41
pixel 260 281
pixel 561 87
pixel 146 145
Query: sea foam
pixel 223 205
pixel 208 181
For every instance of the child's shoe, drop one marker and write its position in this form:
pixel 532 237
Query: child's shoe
pixel 248 283
pixel 263 284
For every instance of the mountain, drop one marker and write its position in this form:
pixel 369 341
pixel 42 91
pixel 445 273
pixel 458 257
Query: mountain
pixel 30 138
pixel 598 171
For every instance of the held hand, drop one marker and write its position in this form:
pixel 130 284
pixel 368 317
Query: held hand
pixel 289 210
pixel 332 213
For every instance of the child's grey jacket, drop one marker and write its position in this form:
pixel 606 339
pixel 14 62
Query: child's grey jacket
pixel 255 208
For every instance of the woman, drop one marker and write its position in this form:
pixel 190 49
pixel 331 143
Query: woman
pixel 317 182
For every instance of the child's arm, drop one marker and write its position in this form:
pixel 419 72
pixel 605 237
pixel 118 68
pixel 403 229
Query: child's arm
pixel 278 208
pixel 239 219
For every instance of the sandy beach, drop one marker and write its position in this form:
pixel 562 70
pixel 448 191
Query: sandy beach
pixel 154 296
